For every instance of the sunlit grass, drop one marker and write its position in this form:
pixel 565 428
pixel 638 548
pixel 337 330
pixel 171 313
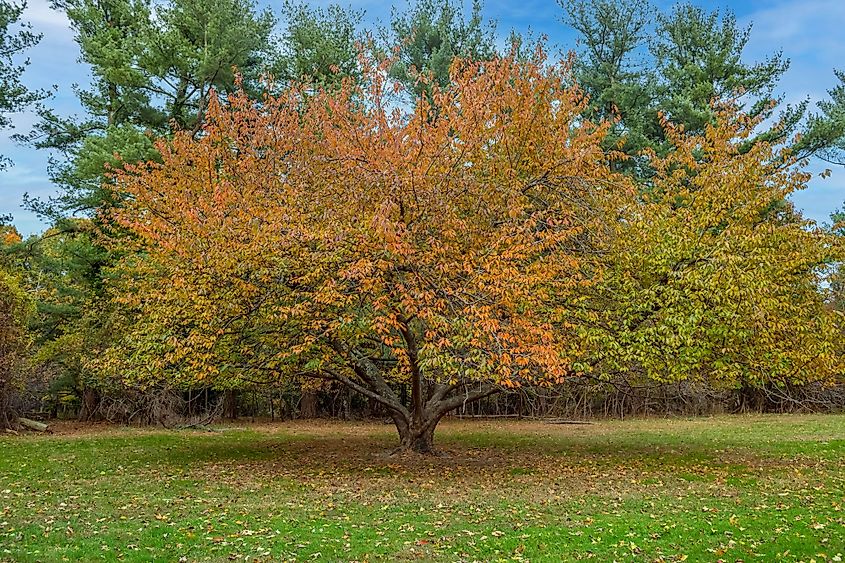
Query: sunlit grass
pixel 750 488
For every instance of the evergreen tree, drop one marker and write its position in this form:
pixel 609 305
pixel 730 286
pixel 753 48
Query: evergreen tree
pixel 154 67
pixel 320 44
pixel 639 66
pixel 430 35
pixel 15 38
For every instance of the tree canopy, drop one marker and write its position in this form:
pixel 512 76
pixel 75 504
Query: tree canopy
pixel 640 65
pixel 712 276
pixel 345 240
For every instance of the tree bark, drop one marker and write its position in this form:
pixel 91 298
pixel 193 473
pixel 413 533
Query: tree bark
pixel 308 405
pixel 90 404
pixel 417 439
pixel 230 404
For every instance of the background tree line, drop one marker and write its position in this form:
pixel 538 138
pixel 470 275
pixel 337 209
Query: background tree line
pixel 158 67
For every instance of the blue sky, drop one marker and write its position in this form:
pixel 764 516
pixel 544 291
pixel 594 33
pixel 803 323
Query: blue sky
pixel 809 32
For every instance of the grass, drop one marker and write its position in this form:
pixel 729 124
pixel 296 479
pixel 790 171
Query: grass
pixel 707 489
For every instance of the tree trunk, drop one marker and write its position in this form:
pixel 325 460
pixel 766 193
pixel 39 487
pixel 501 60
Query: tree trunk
pixel 230 404
pixel 419 439
pixel 33 424
pixel 415 425
pixel 90 404
pixel 416 429
pixel 308 405
pixel 750 399
pixel 6 416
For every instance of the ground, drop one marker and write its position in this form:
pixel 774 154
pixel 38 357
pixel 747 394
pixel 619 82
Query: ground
pixel 706 489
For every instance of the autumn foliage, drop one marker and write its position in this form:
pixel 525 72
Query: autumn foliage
pixel 335 236
pixel 15 341
pixel 478 242
pixel 712 274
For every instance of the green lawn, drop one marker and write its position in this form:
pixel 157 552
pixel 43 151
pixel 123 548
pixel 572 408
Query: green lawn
pixel 706 489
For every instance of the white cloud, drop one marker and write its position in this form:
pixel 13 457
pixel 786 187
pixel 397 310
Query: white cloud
pixel 810 34
pixel 46 20
pixel 801 26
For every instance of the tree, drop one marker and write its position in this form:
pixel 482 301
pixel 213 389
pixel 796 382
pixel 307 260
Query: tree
pixel 613 69
pixel 698 57
pixel 430 36
pixel 319 46
pixel 154 68
pixel 62 271
pixel 678 300
pixel 110 35
pixel 826 125
pixel 705 279
pixel 8 233
pixel 639 66
pixel 836 274
pixel 335 238
pixel 14 96
pixel 15 309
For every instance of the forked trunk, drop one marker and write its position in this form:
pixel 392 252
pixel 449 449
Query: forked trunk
pixel 416 424
pixel 416 427
pixel 420 442
pixel 417 438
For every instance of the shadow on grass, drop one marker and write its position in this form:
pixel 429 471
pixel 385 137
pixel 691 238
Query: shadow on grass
pixel 299 451
pixel 464 456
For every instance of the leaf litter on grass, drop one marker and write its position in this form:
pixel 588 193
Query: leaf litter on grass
pixel 651 490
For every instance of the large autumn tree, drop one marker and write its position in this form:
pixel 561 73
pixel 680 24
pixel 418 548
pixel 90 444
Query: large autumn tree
pixel 331 236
